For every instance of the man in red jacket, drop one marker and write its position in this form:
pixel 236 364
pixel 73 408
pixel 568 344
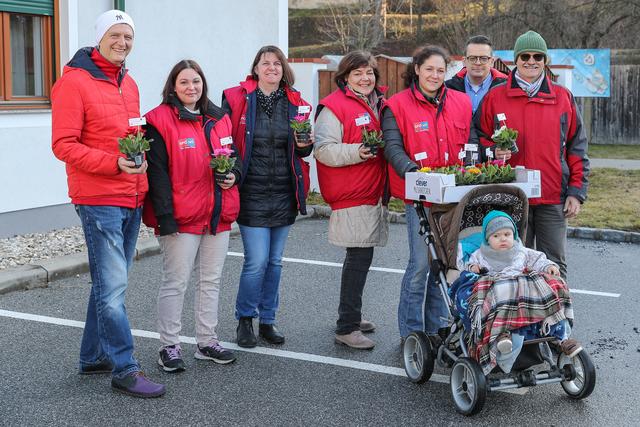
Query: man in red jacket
pixel 94 103
pixel 551 139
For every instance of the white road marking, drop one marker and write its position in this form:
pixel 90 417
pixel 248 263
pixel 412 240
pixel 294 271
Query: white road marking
pixel 307 357
pixel 399 271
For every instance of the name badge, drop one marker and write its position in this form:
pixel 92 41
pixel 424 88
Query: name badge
pixel 137 121
pixel 421 156
pixel 304 109
pixel 471 147
pixel 226 141
pixel 363 120
pixel 501 117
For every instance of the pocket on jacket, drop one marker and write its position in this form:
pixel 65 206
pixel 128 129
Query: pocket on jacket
pixel 230 204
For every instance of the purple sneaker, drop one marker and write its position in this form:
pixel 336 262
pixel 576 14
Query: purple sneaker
pixel 136 384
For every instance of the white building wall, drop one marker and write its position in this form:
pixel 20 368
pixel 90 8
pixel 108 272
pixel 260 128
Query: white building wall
pixel 222 36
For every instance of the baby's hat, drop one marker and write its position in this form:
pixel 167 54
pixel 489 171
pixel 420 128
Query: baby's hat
pixel 497 220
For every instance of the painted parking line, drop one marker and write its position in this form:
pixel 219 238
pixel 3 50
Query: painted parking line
pixel 399 271
pixel 306 357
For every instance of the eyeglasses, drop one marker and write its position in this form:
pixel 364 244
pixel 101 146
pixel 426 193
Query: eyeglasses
pixel 478 59
pixel 536 57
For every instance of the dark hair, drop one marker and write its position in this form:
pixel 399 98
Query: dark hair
pixel 479 39
pixel 287 73
pixel 352 61
pixel 419 56
pixel 169 90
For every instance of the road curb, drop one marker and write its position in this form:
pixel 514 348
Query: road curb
pixel 41 274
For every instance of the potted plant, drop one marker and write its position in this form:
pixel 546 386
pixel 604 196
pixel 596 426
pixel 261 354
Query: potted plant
pixel 372 139
pixel 221 163
pixel 133 145
pixel 301 128
pixel 505 139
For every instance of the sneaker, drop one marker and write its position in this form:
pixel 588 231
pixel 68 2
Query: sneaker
pixel 570 347
pixel 137 385
pixel 104 367
pixel 171 358
pixel 367 326
pixel 214 351
pixel 505 345
pixel 355 340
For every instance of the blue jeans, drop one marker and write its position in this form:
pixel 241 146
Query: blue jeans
pixel 260 277
pixel 111 233
pixel 421 306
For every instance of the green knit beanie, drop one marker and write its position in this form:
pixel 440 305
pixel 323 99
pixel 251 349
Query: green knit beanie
pixel 529 42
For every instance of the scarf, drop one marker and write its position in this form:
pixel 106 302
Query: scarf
pixel 530 88
pixel 371 100
pixel 499 260
pixel 267 102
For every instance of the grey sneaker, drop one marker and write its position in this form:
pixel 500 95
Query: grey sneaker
pixel 355 340
pixel 214 351
pixel 171 358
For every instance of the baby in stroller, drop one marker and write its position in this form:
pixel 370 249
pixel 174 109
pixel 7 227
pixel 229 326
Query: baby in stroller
pixel 512 285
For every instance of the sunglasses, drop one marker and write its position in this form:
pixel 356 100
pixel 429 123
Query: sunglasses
pixel 536 57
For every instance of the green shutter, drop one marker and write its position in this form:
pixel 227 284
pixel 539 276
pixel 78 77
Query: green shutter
pixel 34 7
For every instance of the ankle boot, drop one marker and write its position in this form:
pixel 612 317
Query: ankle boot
pixel 246 336
pixel 270 334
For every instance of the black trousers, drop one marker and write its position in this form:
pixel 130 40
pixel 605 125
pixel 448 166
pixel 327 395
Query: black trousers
pixel 354 276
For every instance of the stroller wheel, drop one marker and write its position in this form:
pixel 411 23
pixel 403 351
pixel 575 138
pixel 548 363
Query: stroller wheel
pixel 584 381
pixel 468 386
pixel 418 357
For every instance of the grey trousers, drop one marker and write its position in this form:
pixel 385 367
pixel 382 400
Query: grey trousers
pixel 547 232
pixel 183 253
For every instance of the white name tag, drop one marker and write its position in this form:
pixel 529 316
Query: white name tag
pixel 226 141
pixel 363 120
pixel 137 121
pixel 471 147
pixel 421 156
pixel 501 117
pixel 304 109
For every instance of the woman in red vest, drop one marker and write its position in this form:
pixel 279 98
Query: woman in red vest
pixel 426 124
pixel 352 180
pixel 190 210
pixel 273 187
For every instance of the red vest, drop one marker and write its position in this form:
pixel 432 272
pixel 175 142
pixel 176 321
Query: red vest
pixel 237 98
pixel 192 183
pixel 433 136
pixel 362 183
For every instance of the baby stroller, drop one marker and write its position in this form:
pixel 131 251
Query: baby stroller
pixel 539 362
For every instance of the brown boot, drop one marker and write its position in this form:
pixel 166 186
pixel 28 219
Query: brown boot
pixel 355 340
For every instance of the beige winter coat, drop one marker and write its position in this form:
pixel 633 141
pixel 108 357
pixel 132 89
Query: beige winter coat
pixel 359 226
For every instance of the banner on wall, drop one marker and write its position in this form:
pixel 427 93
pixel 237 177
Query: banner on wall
pixel 591 68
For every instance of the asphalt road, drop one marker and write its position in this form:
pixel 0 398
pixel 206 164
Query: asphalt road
pixel 38 356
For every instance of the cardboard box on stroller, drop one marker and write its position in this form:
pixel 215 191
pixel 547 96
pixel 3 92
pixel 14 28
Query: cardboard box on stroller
pixel 441 188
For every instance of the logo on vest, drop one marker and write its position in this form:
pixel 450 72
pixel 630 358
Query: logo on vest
pixel 421 126
pixel 186 143
pixel 243 119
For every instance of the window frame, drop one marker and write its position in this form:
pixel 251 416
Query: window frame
pixel 7 100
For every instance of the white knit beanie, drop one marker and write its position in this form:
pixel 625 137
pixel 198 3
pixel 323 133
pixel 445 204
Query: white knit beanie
pixel 108 20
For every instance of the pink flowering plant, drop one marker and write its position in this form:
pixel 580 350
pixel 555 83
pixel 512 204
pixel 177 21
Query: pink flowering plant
pixel 134 144
pixel 301 124
pixel 221 161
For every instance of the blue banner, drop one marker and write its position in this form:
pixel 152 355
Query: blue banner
pixel 590 75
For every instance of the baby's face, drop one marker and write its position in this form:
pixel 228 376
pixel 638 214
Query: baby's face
pixel 501 240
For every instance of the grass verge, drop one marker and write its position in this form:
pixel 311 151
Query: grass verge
pixel 614 201
pixel 614 151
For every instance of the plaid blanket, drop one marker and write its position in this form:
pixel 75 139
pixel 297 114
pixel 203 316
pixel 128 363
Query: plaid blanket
pixel 504 304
